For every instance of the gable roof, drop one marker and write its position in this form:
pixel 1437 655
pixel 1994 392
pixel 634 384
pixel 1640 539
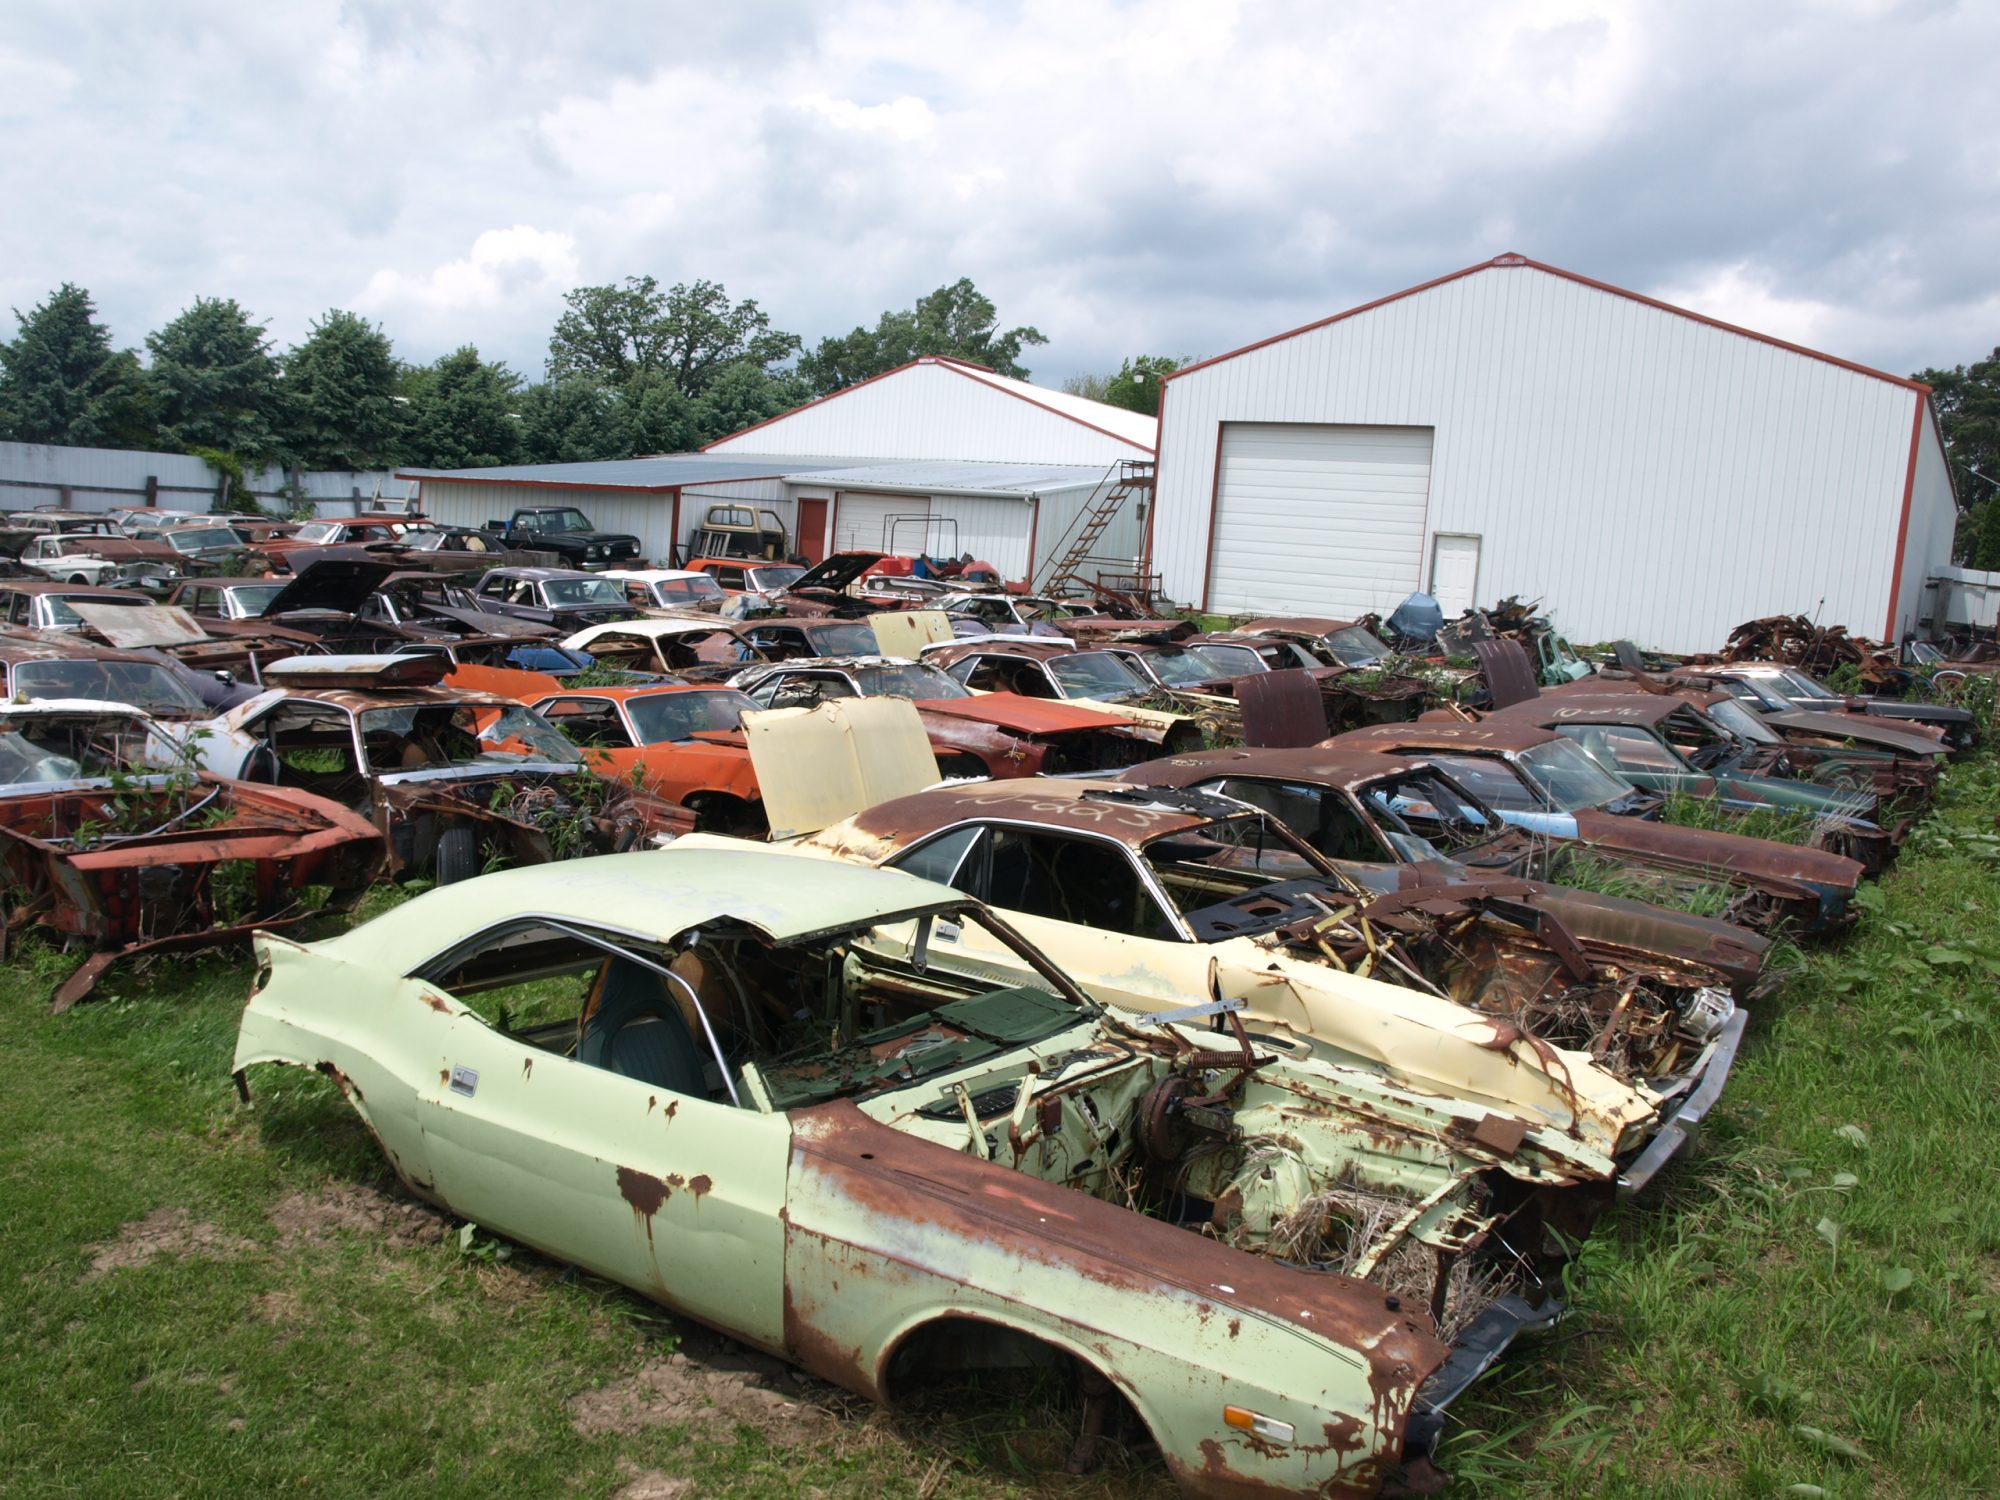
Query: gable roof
pixel 1135 428
pixel 1511 261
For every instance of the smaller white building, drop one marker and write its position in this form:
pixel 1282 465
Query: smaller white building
pixel 937 456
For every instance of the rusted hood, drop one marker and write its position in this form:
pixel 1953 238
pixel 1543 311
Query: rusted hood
pixel 1613 922
pixel 1873 736
pixel 1753 858
pixel 1028 715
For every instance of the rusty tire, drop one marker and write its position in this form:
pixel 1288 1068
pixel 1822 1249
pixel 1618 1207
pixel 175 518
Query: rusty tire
pixel 457 855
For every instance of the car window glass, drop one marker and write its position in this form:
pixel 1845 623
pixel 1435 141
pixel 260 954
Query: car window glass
pixel 1320 817
pixel 942 859
pixel 805 690
pixel 1493 782
pixel 587 721
pixel 1623 748
pixel 1085 881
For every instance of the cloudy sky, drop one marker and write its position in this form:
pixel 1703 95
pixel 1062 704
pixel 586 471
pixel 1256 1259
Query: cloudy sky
pixel 1180 176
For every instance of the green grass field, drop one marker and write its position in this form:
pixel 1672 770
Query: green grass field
pixel 198 1298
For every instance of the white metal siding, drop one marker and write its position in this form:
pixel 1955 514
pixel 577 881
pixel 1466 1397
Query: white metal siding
pixel 929 411
pixel 994 531
pixel 1933 520
pixel 1314 519
pixel 647 516
pixel 1116 549
pixel 1649 475
pixel 861 520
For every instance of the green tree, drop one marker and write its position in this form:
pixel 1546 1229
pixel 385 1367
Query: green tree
pixel 464 412
pixel 1090 387
pixel 740 396
pixel 657 416
pixel 340 388
pixel 570 421
pixel 214 382
pixel 1967 399
pixel 957 321
pixel 1136 386
pixel 691 333
pixel 61 381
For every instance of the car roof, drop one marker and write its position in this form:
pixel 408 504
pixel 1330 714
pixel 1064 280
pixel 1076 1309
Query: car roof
pixel 1451 736
pixel 1592 708
pixel 72 590
pixel 537 575
pixel 652 575
pixel 656 894
pixel 1330 765
pixel 1131 815
pixel 653 628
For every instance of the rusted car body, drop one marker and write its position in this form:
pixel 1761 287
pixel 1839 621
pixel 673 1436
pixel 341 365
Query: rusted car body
pixel 1543 785
pixel 108 560
pixel 1770 738
pixel 681 741
pixel 1761 691
pixel 1153 897
pixel 700 648
pixel 453 779
pixel 97 848
pixel 1057 669
pixel 972 734
pixel 1950 723
pixel 1639 738
pixel 879 1161
pixel 1349 804
pixel 62 665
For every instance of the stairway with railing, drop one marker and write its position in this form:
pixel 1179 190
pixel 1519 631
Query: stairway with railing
pixel 1125 481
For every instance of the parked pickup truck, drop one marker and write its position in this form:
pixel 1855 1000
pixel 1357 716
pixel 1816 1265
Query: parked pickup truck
pixel 567 532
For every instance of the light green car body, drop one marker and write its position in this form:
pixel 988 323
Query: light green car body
pixel 855 1225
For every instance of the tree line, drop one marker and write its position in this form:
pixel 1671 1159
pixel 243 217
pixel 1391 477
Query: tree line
pixel 1967 400
pixel 632 368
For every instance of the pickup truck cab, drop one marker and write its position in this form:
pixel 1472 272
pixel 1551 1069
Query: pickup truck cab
pixel 567 532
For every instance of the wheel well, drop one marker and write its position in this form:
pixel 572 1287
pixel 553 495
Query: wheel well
pixel 943 1352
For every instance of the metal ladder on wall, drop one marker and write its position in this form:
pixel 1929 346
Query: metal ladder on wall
pixel 1135 477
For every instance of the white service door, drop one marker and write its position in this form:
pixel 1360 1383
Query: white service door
pixel 1454 572
pixel 861 522
pixel 1318 519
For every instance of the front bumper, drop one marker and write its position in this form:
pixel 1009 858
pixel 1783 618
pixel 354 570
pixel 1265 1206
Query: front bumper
pixel 1679 1127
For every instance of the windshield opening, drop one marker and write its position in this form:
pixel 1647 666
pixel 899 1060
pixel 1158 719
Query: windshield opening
pixel 913 680
pixel 664 718
pixel 842 640
pixel 777 578
pixel 1739 721
pixel 675 590
pixel 426 736
pixel 582 591
pixel 1096 674
pixel 559 520
pixel 1572 779
pixel 1356 647
pixel 139 683
pixel 195 538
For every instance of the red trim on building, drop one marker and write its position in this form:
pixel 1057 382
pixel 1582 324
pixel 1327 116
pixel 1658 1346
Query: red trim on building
pixel 1903 525
pixel 944 362
pixel 1153 505
pixel 1214 509
pixel 1514 262
pixel 1034 526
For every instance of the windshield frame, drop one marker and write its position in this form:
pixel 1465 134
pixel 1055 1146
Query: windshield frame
pixel 1545 764
pixel 638 709
pixel 1076 685
pixel 179 701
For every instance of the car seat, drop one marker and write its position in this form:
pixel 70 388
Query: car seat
pixel 634 1027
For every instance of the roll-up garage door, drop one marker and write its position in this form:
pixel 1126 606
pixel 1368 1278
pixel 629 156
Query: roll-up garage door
pixel 862 521
pixel 1315 519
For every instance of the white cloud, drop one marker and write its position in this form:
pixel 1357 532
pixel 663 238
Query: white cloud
pixel 1179 177
pixel 503 266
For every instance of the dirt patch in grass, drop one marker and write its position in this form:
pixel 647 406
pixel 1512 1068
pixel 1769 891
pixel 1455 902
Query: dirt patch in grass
pixel 346 1208
pixel 650 1484
pixel 709 1402
pixel 164 1231
pixel 280 1309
